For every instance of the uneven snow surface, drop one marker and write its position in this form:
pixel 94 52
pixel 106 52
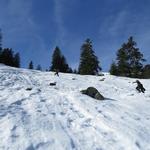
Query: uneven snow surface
pixel 61 118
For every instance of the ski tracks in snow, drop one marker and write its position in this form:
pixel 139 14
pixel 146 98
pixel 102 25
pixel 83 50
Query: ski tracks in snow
pixel 61 118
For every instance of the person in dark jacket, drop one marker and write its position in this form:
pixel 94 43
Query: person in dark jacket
pixel 57 73
pixel 140 87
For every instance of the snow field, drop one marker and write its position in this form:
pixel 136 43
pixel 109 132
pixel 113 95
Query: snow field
pixel 61 118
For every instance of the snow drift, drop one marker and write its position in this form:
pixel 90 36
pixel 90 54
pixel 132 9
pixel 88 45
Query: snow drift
pixel 61 118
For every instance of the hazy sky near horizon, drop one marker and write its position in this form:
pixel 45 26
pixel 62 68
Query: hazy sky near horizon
pixel 35 27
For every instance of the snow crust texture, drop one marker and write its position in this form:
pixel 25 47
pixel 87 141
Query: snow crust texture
pixel 61 118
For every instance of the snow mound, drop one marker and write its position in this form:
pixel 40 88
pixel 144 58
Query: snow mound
pixel 61 118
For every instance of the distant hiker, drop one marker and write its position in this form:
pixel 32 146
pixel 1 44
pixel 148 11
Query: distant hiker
pixel 139 87
pixel 57 73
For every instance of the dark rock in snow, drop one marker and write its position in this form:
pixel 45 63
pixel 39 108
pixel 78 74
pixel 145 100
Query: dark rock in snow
pixel 28 89
pixel 100 74
pixel 52 84
pixel 102 79
pixel 93 92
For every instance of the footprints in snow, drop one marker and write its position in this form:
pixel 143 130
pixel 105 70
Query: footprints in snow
pixel 86 123
pixel 14 134
pixel 41 145
pixel 67 108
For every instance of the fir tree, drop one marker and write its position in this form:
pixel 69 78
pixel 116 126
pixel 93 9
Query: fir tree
pixel 70 70
pixel 0 40
pixel 75 71
pixel 31 65
pixel 64 66
pixel 17 60
pixel 129 60
pixel 146 71
pixel 113 69
pixel 56 59
pixel 7 57
pixel 89 64
pixel 122 61
pixel 0 46
pixel 39 67
pixel 135 59
pixel 59 62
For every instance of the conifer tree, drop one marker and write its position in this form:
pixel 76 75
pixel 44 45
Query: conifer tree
pixel 89 64
pixel 69 70
pixel 123 61
pixel 39 67
pixel 17 60
pixel 59 62
pixel 113 69
pixel 0 46
pixel 135 59
pixel 75 71
pixel 7 57
pixel 129 60
pixel 31 65
pixel 56 59
pixel 64 66
pixel 146 71
pixel 0 39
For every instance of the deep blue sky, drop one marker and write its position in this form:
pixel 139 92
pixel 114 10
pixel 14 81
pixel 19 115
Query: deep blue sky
pixel 35 27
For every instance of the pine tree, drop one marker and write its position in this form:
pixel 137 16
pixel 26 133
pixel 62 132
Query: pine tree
pixel 70 70
pixel 0 46
pixel 89 64
pixel 135 59
pixel 56 59
pixel 7 57
pixel 59 62
pixel 0 39
pixel 113 69
pixel 17 60
pixel 31 65
pixel 122 61
pixel 39 67
pixel 75 71
pixel 146 71
pixel 64 66
pixel 129 60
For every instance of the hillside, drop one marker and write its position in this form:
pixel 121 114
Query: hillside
pixel 61 118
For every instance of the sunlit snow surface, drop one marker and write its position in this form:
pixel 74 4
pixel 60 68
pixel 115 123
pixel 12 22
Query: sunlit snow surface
pixel 61 118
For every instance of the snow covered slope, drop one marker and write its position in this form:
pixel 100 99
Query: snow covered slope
pixel 61 118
